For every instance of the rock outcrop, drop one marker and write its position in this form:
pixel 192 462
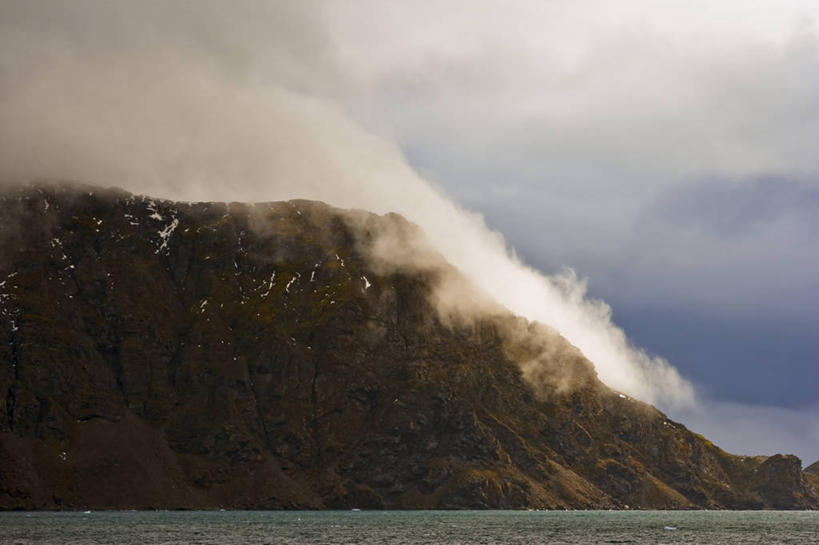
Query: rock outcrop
pixel 157 354
pixel 812 476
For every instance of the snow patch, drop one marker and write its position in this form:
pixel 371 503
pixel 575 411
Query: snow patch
pixel 295 277
pixel 366 283
pixel 270 284
pixel 166 233
pixel 154 213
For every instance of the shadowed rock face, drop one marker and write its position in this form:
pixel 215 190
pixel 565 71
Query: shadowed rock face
pixel 812 476
pixel 171 355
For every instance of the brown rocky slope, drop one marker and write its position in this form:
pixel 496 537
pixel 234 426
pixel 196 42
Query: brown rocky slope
pixel 812 475
pixel 169 355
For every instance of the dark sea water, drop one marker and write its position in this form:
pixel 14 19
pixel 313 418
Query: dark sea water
pixel 410 527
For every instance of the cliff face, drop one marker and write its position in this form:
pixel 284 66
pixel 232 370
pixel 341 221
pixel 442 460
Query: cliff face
pixel 159 354
pixel 811 474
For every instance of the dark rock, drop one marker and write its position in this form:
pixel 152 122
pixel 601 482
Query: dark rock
pixel 173 355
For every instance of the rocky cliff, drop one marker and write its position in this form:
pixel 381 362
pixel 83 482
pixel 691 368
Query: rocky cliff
pixel 812 476
pixel 158 354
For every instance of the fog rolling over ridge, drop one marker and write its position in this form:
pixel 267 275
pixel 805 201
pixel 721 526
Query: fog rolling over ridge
pixel 174 116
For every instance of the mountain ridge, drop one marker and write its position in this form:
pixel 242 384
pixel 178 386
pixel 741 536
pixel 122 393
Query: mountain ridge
pixel 204 355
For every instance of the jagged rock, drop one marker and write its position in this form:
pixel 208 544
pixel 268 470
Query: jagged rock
pixel 156 354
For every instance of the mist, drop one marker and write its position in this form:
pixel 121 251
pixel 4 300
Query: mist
pixel 117 99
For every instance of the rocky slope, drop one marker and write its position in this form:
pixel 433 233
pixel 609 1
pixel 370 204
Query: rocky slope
pixel 168 355
pixel 812 476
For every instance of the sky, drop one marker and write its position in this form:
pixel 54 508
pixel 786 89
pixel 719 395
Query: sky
pixel 666 152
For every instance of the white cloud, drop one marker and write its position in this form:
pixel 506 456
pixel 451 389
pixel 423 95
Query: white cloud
pixel 565 122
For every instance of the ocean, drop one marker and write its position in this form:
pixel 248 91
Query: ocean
pixel 409 527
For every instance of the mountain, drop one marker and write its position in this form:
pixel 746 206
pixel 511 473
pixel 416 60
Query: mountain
pixel 159 354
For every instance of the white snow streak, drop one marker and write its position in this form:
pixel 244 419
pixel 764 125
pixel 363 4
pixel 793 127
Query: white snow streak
pixel 270 284
pixel 295 277
pixel 152 208
pixel 166 233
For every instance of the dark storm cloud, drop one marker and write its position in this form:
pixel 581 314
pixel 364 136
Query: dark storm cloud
pixel 738 208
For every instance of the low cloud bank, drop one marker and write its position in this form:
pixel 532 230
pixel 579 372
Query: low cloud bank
pixel 197 136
